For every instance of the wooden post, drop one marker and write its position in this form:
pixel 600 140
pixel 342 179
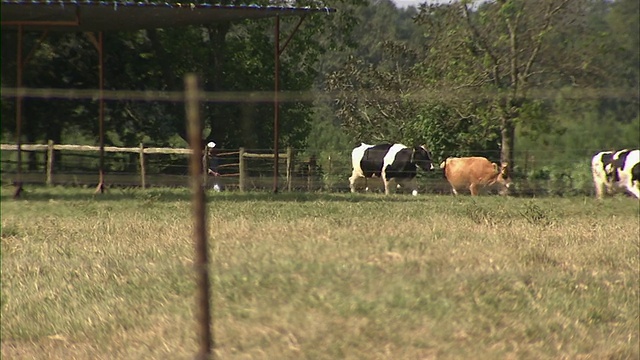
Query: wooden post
pixel 143 173
pixel 309 176
pixel 533 163
pixel 289 168
pixel 50 163
pixel 241 169
pixel 329 172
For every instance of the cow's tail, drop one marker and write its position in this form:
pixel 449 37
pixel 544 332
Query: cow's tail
pixel 443 166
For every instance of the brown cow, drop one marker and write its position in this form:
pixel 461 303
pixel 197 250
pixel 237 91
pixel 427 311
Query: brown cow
pixel 476 174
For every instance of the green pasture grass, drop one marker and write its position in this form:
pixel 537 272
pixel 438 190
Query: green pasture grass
pixel 320 276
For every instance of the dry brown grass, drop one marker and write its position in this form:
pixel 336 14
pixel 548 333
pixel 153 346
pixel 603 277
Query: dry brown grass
pixel 321 277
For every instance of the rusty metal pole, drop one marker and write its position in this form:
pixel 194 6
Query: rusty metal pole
pixel 100 187
pixel 18 181
pixel 194 126
pixel 276 106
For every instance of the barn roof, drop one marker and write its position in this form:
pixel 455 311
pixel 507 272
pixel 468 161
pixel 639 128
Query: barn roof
pixel 88 15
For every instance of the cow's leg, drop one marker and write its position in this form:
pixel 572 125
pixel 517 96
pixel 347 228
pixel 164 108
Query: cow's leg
pixel 353 181
pixel 602 185
pixel 634 180
pixel 455 192
pixel 610 187
pixel 387 184
pixel 474 189
pixel 599 185
pixel 411 184
pixel 632 186
pixel 360 183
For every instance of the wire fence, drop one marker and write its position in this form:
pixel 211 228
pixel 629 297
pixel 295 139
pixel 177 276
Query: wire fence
pixel 308 170
pixel 536 171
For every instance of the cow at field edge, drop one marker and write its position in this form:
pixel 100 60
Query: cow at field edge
pixel 476 174
pixel 624 171
pixel 391 162
pixel 602 180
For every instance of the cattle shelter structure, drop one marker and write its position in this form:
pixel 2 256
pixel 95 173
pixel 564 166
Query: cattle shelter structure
pixel 102 16
pixel 91 16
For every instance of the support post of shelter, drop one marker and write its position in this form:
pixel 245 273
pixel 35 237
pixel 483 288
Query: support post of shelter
pixel 20 63
pixel 101 186
pixel 276 105
pixel 102 21
pixel 18 181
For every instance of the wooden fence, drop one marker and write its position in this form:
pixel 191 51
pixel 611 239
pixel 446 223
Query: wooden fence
pixel 295 173
pixel 239 179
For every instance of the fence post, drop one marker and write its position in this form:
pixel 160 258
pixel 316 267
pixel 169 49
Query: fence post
pixel 199 214
pixel 50 163
pixel 329 175
pixel 289 168
pixel 310 175
pixel 143 172
pixel 241 170
pixel 312 165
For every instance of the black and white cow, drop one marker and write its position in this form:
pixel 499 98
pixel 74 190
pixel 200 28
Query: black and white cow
pixel 616 170
pixel 624 171
pixel 391 162
pixel 599 164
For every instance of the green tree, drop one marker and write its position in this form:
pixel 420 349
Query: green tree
pixel 379 95
pixel 370 80
pixel 498 54
pixel 600 110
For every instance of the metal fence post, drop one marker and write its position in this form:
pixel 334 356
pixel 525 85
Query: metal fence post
pixel 194 125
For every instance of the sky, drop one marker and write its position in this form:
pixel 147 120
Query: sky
pixel 407 3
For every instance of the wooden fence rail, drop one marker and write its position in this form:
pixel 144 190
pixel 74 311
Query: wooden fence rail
pixel 142 150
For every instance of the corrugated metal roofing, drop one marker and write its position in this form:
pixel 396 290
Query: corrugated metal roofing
pixel 85 15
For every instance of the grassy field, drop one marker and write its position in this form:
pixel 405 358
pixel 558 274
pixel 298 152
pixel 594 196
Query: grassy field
pixel 320 276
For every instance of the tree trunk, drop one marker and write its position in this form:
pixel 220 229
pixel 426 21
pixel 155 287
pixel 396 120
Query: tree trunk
pixel 218 40
pixel 172 81
pixel 507 135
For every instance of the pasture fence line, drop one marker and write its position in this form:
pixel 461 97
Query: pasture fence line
pixel 242 156
pixel 245 169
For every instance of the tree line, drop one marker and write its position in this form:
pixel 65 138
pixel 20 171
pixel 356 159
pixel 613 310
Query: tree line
pixel 464 78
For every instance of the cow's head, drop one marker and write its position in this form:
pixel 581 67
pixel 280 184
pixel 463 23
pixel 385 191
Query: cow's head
pixel 503 180
pixel 422 158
